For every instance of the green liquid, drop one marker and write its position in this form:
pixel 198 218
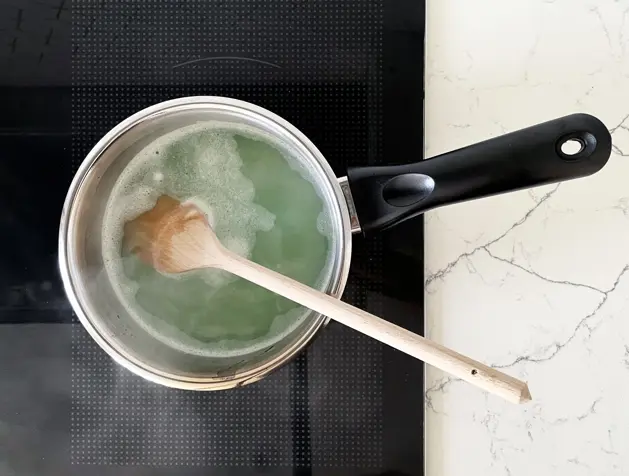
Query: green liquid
pixel 211 306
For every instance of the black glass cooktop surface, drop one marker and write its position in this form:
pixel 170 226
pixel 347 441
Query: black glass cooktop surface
pixel 349 74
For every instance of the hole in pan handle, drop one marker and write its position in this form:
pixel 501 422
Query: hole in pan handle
pixel 385 196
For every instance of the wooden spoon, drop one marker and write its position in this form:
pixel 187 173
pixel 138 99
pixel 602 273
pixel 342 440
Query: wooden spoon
pixel 175 237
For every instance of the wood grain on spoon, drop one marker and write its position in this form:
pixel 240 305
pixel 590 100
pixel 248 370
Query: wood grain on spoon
pixel 176 237
pixel 159 237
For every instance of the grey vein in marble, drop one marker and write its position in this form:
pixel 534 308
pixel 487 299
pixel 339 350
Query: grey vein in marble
pixel 444 271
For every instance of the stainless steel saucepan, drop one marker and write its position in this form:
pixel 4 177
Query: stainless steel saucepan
pixel 367 199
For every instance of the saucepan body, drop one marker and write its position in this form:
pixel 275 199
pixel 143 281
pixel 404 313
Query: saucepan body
pixel 368 199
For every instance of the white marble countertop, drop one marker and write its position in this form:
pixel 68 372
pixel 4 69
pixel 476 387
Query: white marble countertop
pixel 535 282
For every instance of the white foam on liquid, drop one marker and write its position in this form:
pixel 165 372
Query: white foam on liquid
pixel 144 180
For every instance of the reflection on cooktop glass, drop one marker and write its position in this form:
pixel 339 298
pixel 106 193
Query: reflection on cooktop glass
pixel 349 75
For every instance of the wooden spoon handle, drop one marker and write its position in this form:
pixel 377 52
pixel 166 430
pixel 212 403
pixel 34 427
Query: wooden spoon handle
pixel 463 367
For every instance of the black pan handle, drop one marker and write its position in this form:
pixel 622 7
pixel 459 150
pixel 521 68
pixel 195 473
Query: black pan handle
pixel 385 196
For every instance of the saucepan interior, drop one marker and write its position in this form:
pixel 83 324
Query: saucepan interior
pixel 99 303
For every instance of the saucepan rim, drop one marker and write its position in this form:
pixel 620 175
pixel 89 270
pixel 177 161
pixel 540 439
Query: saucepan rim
pixel 69 267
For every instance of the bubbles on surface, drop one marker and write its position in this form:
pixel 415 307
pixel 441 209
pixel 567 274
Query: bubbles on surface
pixel 201 163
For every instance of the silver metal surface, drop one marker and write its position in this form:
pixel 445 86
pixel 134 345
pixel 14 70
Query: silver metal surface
pixel 90 290
pixel 351 208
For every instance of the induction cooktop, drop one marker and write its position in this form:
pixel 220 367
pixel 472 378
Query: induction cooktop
pixel 349 74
